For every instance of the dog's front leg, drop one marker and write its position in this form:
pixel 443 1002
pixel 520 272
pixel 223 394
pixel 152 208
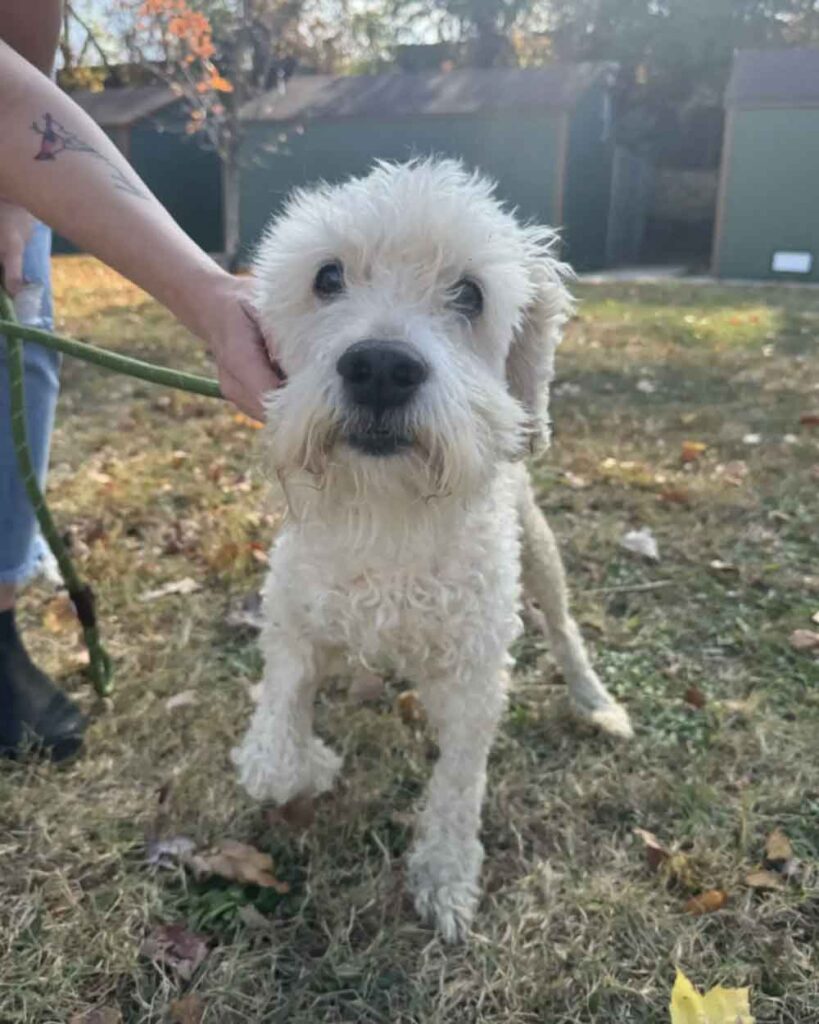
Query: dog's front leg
pixel 280 757
pixel 445 861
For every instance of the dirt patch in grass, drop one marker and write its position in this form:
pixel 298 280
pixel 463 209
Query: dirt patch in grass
pixel 154 487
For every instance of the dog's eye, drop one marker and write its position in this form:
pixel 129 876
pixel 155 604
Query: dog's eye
pixel 467 297
pixel 329 280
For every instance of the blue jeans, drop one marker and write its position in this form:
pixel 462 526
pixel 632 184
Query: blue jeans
pixel 21 547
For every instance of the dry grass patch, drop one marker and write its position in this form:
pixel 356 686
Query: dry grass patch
pixel 575 927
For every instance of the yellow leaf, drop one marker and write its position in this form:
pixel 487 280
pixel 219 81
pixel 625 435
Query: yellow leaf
pixel 686 1002
pixel 727 1006
pixel 718 1006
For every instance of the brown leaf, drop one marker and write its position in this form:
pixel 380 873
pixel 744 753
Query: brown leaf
pixel 59 614
pixel 691 451
pixel 804 640
pixel 656 853
pixel 675 496
pixel 707 902
pixel 778 849
pixel 764 880
pixel 410 708
pixel 99 1015
pixel 695 697
pixel 190 1009
pixel 177 947
pixel 237 862
pixel 809 419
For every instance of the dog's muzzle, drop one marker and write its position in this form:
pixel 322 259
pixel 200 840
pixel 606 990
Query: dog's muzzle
pixel 380 378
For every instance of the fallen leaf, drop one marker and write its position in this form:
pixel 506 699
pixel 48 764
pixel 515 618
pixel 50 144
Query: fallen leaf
pixel 246 421
pixel 575 481
pixel 183 586
pixel 237 862
pixel 695 697
pixel 59 614
pixel 809 419
pixel 167 853
pixel 804 640
pixel 177 947
pixel 641 542
pixel 707 902
pixel 297 814
pixel 98 1015
pixel 190 1009
pixel 691 451
pixel 675 496
pixel 778 849
pixel 718 1006
pixel 410 707
pixel 735 473
pixel 764 880
pixel 752 439
pixel 246 613
pixel 656 853
pixel 723 567
pixel 182 699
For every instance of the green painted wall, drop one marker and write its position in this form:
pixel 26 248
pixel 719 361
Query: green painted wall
pixel 771 197
pixel 519 151
pixel 587 190
pixel 184 176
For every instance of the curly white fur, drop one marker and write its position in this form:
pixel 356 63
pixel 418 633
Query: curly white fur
pixel 411 562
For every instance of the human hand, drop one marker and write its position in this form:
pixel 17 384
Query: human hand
pixel 16 225
pixel 244 357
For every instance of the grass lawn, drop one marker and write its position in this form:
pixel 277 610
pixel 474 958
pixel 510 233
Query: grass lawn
pixel 575 926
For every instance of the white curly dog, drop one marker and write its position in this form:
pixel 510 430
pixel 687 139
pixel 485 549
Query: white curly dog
pixel 416 321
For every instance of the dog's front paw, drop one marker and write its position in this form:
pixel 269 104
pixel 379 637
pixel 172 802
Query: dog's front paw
pixel 444 883
pixel 287 771
pixel 610 718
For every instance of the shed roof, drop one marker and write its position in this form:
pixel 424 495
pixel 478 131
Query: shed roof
pixel 117 107
pixel 467 91
pixel 774 78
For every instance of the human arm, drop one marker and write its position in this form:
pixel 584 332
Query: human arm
pixel 57 163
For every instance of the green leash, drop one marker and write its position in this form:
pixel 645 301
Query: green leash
pixel 81 594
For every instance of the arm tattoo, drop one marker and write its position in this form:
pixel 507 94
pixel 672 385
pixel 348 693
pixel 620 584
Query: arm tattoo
pixel 55 138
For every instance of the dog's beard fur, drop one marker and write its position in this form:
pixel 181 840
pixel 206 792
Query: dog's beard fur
pixel 449 442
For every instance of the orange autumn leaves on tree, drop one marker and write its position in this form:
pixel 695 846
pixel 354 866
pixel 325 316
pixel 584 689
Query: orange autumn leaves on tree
pixel 187 37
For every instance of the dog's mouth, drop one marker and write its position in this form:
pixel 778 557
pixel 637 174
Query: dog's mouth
pixel 379 441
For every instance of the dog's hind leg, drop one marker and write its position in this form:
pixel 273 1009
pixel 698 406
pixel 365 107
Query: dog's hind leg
pixel 545 580
pixel 445 861
pixel 280 757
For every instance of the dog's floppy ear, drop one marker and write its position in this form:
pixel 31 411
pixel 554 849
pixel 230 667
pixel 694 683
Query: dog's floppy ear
pixel 530 363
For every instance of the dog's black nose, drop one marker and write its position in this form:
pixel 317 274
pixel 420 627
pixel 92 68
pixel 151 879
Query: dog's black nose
pixel 381 374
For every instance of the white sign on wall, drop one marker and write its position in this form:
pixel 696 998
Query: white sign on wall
pixel 792 262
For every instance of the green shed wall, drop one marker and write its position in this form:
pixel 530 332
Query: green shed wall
pixel 587 186
pixel 770 192
pixel 520 151
pixel 182 174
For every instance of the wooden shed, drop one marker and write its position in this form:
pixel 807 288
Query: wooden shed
pixel 147 124
pixel 767 222
pixel 544 134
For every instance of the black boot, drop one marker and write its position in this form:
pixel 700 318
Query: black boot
pixel 34 713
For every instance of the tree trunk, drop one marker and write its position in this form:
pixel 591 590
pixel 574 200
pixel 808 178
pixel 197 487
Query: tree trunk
pixel 231 197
